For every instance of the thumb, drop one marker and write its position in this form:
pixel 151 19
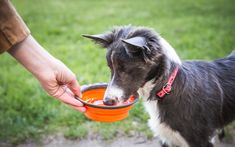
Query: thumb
pixel 75 87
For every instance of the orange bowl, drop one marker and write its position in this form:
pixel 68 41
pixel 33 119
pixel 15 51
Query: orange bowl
pixel 92 97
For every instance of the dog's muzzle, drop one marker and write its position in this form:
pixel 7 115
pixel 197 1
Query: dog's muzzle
pixel 110 101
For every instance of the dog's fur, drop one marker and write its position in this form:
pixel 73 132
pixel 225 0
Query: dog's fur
pixel 203 96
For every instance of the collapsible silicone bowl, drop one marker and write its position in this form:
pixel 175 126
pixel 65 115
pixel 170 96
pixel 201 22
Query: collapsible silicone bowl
pixel 103 113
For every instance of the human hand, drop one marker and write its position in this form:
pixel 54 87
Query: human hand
pixel 61 83
pixel 56 79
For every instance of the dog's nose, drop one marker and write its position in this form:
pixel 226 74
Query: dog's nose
pixel 110 101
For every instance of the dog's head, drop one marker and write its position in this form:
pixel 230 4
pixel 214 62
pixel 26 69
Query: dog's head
pixel 134 57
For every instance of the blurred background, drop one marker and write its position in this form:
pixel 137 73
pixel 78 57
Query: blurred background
pixel 196 29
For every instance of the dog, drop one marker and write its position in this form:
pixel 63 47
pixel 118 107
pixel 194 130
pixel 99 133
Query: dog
pixel 188 102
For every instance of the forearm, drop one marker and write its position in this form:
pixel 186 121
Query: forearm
pixel 32 56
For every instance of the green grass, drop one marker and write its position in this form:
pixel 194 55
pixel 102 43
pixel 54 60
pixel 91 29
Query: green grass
pixel 196 29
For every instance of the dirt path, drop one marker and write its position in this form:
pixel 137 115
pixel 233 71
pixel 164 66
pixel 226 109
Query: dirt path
pixel 60 141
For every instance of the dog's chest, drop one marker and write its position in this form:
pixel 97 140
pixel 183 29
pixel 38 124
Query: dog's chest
pixel 160 129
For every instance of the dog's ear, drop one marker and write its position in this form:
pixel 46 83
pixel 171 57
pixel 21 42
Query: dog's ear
pixel 103 39
pixel 137 45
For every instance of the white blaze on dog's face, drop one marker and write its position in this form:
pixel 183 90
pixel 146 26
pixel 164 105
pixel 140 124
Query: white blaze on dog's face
pixel 113 93
pixel 134 57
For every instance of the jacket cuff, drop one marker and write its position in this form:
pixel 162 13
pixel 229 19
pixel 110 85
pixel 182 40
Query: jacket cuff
pixel 12 29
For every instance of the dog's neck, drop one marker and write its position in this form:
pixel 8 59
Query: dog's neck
pixel 172 61
pixel 152 87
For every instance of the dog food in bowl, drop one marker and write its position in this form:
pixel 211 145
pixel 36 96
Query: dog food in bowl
pixel 92 98
pixel 99 102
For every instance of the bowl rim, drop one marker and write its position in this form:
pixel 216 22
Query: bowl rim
pixel 85 88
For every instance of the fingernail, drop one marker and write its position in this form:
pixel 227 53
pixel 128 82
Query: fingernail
pixel 83 109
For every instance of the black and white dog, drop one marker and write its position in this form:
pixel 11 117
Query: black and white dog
pixel 187 101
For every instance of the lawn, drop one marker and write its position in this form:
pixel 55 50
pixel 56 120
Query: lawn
pixel 196 29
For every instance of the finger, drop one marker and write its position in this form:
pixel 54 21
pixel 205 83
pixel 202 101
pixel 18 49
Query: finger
pixel 81 109
pixel 68 98
pixel 75 87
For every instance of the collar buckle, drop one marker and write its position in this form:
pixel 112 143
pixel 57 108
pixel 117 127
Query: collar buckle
pixel 166 89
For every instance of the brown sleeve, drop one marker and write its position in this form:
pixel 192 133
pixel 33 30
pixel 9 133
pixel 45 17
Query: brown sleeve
pixel 12 28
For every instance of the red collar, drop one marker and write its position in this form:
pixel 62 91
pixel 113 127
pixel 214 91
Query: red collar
pixel 166 89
